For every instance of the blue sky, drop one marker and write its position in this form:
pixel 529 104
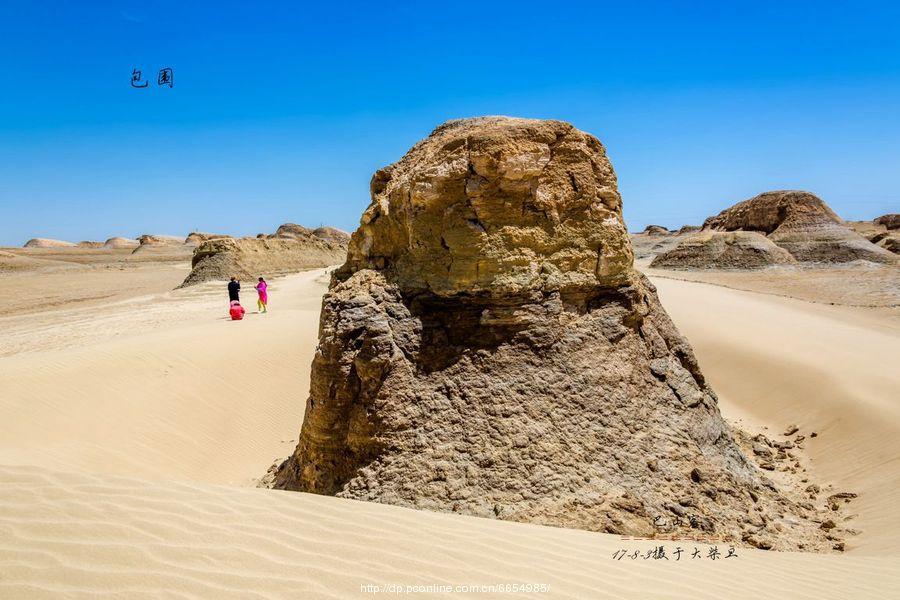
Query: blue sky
pixel 281 111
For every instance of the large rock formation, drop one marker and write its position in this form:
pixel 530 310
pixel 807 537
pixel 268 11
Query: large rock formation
pixel 249 258
pixel 802 224
pixel 488 349
pixel 723 250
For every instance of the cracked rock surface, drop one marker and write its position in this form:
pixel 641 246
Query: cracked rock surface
pixel 488 349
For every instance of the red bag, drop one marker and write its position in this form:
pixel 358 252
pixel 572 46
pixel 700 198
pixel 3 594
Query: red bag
pixel 236 311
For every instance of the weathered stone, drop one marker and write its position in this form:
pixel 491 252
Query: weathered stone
pixel 802 224
pixel 496 206
pixel 723 250
pixel 249 258
pixel 196 238
pixel 120 242
pixel 891 221
pixel 488 349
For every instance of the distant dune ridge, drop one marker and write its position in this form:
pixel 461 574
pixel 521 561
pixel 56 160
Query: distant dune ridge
pixel 488 349
pixel 293 248
pixel 48 243
pixel 796 221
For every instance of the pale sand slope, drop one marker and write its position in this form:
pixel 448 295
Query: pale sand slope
pixel 80 536
pixel 827 369
pixel 161 387
pixel 168 393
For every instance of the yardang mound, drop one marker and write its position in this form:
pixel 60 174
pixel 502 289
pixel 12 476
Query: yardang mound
pixel 120 242
pixel 723 250
pixel 882 232
pixel 48 243
pixel 160 240
pixel 656 230
pixel 800 223
pixel 248 258
pixel 294 231
pixel 195 238
pixel 488 349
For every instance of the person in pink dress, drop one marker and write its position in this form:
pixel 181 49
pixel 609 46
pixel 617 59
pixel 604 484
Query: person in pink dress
pixel 263 299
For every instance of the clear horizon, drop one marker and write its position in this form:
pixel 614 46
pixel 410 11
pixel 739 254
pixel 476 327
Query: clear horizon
pixel 281 114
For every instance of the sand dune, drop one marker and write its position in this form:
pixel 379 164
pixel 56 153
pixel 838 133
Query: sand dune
pixel 778 361
pixel 85 535
pixel 131 437
pixel 167 388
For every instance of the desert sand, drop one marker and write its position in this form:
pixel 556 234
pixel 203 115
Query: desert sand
pixel 134 429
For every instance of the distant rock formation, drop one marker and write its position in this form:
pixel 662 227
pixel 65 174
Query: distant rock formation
pixel 294 231
pixel 120 242
pixel 723 250
pixel 160 240
pixel 882 232
pixel 800 223
pixel 169 246
pixel 688 229
pixel 89 244
pixel 48 243
pixel 249 258
pixel 488 349
pixel 891 221
pixel 195 238
pixel 656 230
pixel 333 234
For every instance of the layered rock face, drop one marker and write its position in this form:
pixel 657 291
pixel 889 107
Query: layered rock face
pixel 488 349
pixel 249 258
pixel 800 223
pixel 723 250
